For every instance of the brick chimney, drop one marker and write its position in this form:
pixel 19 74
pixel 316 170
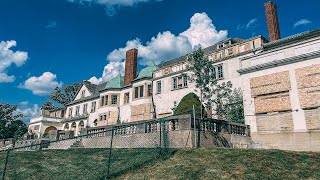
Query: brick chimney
pixel 272 21
pixel 130 71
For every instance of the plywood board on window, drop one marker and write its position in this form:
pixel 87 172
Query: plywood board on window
pixel 308 82
pixel 273 102
pixel 272 83
pixel 308 76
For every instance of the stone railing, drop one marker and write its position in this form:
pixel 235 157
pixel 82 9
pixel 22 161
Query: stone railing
pixel 222 126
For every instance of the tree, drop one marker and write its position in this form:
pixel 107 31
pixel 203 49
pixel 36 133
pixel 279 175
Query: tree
pixel 231 106
pixel 48 106
pixel 10 125
pixel 186 105
pixel 66 95
pixel 204 76
pixel 212 93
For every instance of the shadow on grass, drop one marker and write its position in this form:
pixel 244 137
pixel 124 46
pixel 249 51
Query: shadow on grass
pixel 135 159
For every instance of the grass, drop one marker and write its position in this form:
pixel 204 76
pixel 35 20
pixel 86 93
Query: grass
pixel 179 164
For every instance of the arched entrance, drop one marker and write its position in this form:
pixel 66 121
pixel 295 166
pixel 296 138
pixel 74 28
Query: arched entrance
pixel 48 129
pixel 81 126
pixel 74 126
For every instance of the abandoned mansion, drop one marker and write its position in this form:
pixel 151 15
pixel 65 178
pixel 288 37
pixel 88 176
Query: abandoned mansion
pixel 279 79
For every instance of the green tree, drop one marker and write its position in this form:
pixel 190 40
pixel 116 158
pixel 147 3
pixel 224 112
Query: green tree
pixel 204 76
pixel 227 102
pixel 66 95
pixel 186 105
pixel 231 106
pixel 48 106
pixel 10 125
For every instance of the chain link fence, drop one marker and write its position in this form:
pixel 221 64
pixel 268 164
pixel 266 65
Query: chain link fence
pixel 112 151
pixel 101 153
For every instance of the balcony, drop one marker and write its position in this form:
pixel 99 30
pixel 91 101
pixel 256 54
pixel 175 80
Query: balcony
pixel 46 119
pixel 72 118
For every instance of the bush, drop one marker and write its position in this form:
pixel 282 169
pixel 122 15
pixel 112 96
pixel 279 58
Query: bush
pixel 186 105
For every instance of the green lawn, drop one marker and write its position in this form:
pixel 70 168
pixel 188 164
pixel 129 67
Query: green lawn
pixel 177 164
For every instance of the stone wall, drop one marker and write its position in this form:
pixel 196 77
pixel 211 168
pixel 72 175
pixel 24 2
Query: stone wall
pixel 275 122
pixel 141 112
pixel 312 117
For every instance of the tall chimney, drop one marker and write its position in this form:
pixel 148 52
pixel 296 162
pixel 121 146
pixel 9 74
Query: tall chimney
pixel 272 21
pixel 130 71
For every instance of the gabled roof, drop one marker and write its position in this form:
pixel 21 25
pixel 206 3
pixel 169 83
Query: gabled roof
pixel 115 83
pixel 147 71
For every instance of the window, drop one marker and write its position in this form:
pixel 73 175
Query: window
pixel 70 112
pixel 136 92
pixel 220 71
pixel 77 110
pixel 214 74
pixel 141 91
pixel 105 117
pixel 230 51
pixel 107 98
pixel 93 106
pixel 102 100
pixel 100 118
pixel 95 122
pixel 83 93
pixel 185 81
pixel 179 82
pixel 149 90
pixel 85 109
pixel 126 98
pixel 158 87
pixel 114 99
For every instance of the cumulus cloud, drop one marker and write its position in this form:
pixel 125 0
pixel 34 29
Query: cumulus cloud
pixel 42 85
pixel 302 22
pixel 24 103
pixel 9 57
pixel 29 113
pixel 165 45
pixel 111 6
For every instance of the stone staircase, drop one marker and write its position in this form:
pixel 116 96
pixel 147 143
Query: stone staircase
pixel 220 141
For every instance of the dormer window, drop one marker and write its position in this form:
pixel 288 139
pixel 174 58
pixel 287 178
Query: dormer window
pixel 83 93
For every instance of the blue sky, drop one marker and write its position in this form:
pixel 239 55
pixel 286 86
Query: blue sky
pixel 47 43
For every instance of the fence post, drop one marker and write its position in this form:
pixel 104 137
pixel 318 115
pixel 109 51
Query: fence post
pixel 5 164
pixel 110 151
pixel 199 129
pixel 160 143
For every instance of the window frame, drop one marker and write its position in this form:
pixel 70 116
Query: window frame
pixel 159 87
pixel 112 100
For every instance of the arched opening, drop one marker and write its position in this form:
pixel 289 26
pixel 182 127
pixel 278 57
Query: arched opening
pixel 66 127
pixel 81 126
pixel 48 129
pixel 73 126
pixel 95 122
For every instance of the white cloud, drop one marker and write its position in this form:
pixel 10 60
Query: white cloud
pixel 202 31
pixel 42 85
pixel 51 24
pixel 9 57
pixel 302 22
pixel 111 6
pixel 29 113
pixel 166 45
pixel 251 23
pixel 24 103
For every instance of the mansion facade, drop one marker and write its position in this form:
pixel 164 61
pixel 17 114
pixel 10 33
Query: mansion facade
pixel 280 81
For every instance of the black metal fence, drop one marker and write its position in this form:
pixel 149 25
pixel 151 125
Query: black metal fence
pixel 113 151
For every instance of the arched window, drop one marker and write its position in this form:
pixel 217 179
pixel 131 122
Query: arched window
pixel 66 127
pixel 95 122
pixel 81 125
